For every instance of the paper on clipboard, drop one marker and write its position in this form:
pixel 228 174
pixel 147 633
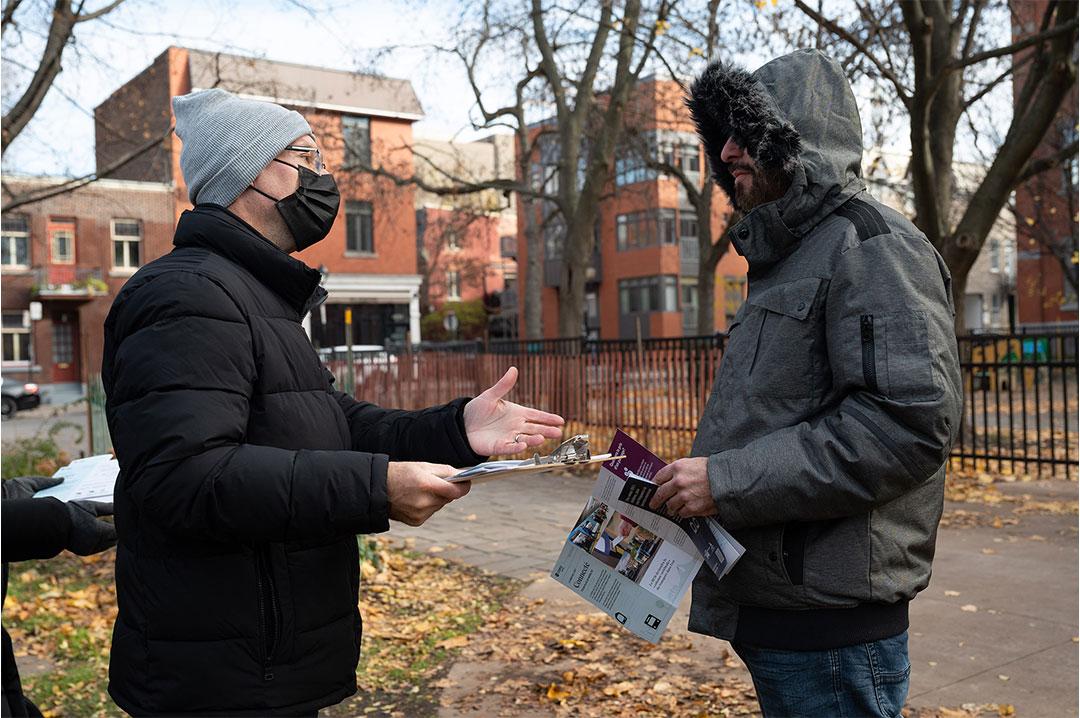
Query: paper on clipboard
pixel 92 478
pixel 490 470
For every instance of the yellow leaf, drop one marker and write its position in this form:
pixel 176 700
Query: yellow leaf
pixel 1006 709
pixel 455 642
pixel 557 693
pixel 969 608
pixel 1030 221
pixel 617 689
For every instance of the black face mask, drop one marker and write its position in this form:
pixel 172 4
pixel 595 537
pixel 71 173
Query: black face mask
pixel 310 211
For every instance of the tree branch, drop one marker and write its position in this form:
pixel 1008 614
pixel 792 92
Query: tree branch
pixel 887 73
pixel 978 57
pixel 1042 164
pixel 79 182
pixel 87 16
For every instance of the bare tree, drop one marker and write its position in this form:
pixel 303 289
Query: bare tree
pixel 942 62
pixel 66 15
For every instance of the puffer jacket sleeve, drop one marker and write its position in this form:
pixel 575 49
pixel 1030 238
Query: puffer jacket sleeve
pixel 179 373
pixel 892 351
pixel 34 528
pixel 435 434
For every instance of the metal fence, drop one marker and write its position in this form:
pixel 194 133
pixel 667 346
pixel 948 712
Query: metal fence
pixel 1020 412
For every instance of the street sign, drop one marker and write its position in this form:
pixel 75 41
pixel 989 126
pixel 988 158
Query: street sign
pixel 450 322
pixel 35 311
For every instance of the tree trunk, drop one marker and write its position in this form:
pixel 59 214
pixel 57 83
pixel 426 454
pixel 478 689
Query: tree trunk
pixel 534 272
pixel 577 255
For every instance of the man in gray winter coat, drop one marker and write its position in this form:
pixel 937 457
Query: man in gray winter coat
pixel 824 443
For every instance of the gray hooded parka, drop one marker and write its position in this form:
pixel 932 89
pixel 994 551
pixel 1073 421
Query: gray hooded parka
pixel 839 394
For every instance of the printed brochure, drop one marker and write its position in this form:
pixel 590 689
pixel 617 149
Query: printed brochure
pixel 634 563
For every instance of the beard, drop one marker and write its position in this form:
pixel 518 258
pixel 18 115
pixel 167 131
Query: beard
pixel 766 185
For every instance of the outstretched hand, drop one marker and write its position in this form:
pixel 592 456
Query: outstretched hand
pixel 495 426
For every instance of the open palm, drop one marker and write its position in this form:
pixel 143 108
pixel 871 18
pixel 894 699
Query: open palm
pixel 495 426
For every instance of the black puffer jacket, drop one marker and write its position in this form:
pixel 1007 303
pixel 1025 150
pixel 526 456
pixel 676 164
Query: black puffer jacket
pixel 244 479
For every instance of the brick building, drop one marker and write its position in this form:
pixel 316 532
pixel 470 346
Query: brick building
pixel 644 272
pixel 70 254
pixel 1046 207
pixel 466 244
pixel 369 258
pixel 73 252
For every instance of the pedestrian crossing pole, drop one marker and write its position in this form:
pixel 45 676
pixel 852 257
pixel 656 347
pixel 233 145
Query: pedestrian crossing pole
pixel 350 371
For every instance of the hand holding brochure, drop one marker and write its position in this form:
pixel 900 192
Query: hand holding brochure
pixel 635 563
pixel 92 478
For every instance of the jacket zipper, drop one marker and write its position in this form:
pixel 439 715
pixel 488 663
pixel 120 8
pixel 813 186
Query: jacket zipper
pixel 268 623
pixel 869 365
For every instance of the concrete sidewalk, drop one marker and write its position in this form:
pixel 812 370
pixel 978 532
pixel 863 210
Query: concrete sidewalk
pixel 998 623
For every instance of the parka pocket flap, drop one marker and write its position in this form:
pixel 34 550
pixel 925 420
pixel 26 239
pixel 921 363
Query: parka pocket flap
pixel 792 299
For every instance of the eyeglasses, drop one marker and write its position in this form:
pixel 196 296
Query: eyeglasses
pixel 307 151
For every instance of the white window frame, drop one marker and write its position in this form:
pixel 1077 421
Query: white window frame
pixel 23 344
pixel 453 285
pixel 127 240
pixel 54 257
pixel 13 236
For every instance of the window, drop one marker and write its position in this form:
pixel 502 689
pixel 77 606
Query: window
pixel 453 284
pixel 16 329
pixel 62 241
pixel 16 241
pixel 126 237
pixel 637 230
pixel 690 159
pixel 453 240
pixel 666 225
pixel 356 132
pixel 359 236
pixel 995 254
pixel 630 169
pixel 648 294
pixel 688 227
pixel 508 246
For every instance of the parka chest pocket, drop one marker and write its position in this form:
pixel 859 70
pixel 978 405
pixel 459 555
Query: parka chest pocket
pixel 789 359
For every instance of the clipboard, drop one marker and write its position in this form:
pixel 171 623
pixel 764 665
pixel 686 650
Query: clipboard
pixel 572 452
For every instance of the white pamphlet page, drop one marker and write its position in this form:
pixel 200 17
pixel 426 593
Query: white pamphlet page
pixel 515 467
pixel 92 478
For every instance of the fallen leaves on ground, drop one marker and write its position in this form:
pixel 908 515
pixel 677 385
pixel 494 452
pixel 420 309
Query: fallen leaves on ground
pixel 418 612
pixel 966 710
pixel 60 615
pixel 530 660
pixel 983 487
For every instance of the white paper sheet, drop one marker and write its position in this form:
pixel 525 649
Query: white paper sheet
pixel 92 478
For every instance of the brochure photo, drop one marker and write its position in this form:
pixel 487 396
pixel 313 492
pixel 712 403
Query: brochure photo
pixel 634 563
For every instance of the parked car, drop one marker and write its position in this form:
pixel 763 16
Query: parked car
pixel 18 396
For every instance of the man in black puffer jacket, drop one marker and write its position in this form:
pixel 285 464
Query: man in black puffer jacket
pixel 244 475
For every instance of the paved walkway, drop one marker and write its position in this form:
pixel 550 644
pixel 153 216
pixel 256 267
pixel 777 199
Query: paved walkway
pixel 998 623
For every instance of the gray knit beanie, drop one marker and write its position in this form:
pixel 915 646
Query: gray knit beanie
pixel 228 141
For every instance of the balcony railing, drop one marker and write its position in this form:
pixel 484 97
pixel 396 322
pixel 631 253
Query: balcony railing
pixel 59 281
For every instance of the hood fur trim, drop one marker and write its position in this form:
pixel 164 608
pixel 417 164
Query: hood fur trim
pixel 727 101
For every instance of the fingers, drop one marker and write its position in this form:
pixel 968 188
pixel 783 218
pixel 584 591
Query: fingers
pixel 503 386
pixel 449 491
pixel 542 430
pixel 542 417
pixel 665 492
pixel 37 483
pixel 443 471
pixel 664 475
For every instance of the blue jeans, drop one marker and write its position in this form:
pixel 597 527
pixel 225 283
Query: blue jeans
pixel 867 679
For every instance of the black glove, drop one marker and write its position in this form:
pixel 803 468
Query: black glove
pixel 89 534
pixel 24 487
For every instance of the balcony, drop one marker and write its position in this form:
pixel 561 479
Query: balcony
pixel 68 283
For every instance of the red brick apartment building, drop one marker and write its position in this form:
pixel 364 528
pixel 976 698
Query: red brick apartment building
pixel 72 253
pixel 1047 207
pixel 467 243
pixel 69 256
pixel 644 271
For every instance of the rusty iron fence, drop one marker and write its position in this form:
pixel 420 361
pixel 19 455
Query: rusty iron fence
pixel 1020 412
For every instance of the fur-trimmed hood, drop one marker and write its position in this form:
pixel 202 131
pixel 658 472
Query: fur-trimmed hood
pixel 795 113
